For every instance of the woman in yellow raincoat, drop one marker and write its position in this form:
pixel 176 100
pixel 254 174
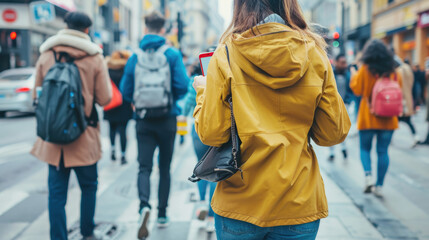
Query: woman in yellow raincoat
pixel 284 94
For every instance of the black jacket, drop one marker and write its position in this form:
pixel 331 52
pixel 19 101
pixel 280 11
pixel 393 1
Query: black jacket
pixel 124 112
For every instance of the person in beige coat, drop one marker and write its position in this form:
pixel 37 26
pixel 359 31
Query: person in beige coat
pixel 82 154
pixel 407 76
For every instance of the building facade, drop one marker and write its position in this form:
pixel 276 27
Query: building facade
pixel 115 26
pixel 192 25
pixel 404 24
pixel 325 13
pixel 20 33
pixel 356 18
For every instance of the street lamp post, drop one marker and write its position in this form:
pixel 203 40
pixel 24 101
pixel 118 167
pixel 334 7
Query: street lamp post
pixel 342 37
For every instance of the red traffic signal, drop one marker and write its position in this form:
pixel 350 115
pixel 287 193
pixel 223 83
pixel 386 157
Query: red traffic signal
pixel 336 35
pixel 13 35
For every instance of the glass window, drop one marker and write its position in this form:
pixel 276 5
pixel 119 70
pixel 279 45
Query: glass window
pixel 15 77
pixel 36 39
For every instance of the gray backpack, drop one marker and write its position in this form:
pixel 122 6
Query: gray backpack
pixel 152 89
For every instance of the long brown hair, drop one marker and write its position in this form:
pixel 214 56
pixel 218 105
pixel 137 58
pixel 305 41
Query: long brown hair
pixel 249 13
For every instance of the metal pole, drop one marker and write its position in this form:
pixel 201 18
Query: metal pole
pixel 343 28
pixel 94 18
pixel 140 19
pixel 163 7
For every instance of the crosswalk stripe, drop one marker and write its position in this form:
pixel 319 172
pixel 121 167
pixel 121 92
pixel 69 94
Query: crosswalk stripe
pixel 9 151
pixel 10 198
pixel 108 175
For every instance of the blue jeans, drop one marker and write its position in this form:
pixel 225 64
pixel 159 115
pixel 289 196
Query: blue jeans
pixel 58 182
pixel 230 229
pixel 200 150
pixel 384 137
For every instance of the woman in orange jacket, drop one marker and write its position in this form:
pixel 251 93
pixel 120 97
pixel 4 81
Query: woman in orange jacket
pixel 378 62
pixel 284 93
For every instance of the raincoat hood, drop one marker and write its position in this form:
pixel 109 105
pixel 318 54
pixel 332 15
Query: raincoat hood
pixel 265 56
pixel 152 41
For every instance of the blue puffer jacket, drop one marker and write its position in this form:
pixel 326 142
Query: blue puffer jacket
pixel 179 78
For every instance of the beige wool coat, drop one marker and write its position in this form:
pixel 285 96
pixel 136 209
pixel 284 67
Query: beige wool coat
pixel 407 76
pixel 86 150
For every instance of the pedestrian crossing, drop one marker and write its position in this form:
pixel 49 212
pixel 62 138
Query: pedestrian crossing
pixel 115 182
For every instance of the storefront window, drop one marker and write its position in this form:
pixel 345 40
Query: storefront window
pixel 36 40
pixel 409 45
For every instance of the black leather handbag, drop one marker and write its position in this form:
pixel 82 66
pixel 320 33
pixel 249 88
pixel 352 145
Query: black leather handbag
pixel 220 163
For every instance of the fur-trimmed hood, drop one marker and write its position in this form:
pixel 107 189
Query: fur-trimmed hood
pixel 71 38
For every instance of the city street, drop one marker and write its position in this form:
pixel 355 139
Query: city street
pixel 147 50
pixel 402 214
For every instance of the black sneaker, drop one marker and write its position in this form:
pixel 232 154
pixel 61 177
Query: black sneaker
pixel 423 143
pixel 331 158
pixel 113 156
pixel 163 222
pixel 345 154
pixel 123 160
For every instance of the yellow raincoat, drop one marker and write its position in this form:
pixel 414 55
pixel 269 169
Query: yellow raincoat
pixel 284 93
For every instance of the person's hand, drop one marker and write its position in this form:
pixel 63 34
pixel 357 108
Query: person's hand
pixel 199 81
pixel 181 118
pixel 353 71
pixel 133 107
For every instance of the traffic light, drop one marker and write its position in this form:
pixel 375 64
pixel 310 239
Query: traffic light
pixel 13 39
pixel 336 38
pixel 180 27
pixel 13 35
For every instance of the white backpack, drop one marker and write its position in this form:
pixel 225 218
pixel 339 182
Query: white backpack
pixel 152 89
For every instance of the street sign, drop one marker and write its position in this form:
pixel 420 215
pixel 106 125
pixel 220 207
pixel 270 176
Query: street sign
pixel 42 12
pixel 9 15
pixel 424 19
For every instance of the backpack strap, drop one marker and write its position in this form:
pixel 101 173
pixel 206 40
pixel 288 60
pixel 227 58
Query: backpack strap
pixel 234 132
pixel 62 55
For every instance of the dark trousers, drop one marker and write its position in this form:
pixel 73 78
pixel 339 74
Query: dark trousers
pixel 151 134
pixel 58 182
pixel 407 120
pixel 121 129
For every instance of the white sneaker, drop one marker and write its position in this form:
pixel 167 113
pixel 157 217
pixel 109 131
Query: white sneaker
pixel 369 185
pixel 210 227
pixel 378 191
pixel 144 218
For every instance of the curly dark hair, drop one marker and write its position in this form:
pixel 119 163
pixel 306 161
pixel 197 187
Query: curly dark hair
pixel 379 58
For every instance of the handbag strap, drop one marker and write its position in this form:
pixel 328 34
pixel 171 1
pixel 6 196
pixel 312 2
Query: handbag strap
pixel 234 132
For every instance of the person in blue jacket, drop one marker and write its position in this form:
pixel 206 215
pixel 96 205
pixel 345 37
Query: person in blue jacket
pixel 342 78
pixel 155 132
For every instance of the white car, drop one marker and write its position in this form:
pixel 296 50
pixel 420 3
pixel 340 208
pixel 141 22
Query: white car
pixel 16 88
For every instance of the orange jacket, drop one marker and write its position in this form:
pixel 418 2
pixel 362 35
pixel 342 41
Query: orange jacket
pixel 362 84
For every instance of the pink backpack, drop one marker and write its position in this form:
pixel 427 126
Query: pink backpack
pixel 386 98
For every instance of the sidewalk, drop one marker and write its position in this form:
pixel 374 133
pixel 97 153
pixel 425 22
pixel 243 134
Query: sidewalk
pixel 24 214
pixel 403 211
pixel 345 220
pixel 117 205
